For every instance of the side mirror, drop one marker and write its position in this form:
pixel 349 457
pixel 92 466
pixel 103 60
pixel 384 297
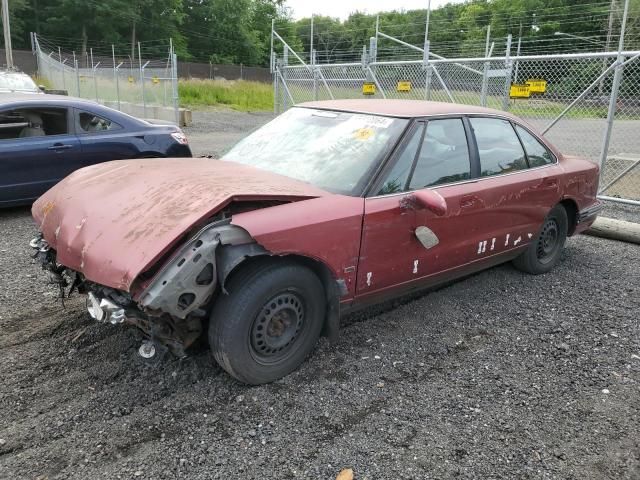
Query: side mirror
pixel 42 88
pixel 427 199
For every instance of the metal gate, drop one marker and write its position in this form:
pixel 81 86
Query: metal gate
pixel 588 104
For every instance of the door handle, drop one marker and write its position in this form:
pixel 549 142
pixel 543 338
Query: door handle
pixel 59 146
pixel 549 182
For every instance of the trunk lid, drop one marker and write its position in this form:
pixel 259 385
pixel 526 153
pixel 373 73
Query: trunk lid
pixel 114 220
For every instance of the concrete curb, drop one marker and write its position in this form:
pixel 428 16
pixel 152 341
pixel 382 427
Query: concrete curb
pixel 615 229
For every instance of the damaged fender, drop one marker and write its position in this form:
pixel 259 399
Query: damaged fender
pixel 189 279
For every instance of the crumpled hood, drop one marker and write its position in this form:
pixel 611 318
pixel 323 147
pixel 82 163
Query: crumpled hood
pixel 113 220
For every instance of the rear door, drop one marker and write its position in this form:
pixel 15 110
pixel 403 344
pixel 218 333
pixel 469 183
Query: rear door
pixel 103 139
pixel 515 190
pixel 37 155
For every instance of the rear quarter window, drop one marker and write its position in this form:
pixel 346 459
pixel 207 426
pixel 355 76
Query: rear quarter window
pixel 537 153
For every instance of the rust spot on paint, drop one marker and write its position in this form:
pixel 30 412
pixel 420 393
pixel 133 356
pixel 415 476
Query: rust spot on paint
pixel 47 208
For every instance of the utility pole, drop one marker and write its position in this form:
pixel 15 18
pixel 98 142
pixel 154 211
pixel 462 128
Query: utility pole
pixel 7 33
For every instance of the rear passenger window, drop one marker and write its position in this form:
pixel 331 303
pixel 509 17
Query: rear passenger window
pixel 498 145
pixel 444 156
pixel 93 123
pixel 537 153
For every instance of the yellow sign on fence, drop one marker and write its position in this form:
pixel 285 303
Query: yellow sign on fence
pixel 518 90
pixel 155 80
pixel 368 88
pixel 403 86
pixel 130 79
pixel 537 85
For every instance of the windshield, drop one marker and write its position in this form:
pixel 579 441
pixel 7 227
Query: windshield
pixel 17 82
pixel 331 150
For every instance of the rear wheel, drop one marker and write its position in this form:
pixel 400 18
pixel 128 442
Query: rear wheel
pixel 544 251
pixel 269 321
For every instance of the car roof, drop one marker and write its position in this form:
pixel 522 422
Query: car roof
pixel 22 98
pixel 402 108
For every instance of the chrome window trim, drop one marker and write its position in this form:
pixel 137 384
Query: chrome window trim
pixel 471 180
pixel 512 121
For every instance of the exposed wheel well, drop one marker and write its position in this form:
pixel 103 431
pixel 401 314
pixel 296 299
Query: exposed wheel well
pixel 332 320
pixel 571 208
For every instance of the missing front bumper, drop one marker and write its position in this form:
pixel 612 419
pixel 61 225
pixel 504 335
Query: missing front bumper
pixel 104 310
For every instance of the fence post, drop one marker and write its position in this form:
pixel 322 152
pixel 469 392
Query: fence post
pixel 613 99
pixel 276 90
pixel 75 63
pixel 508 65
pixel 426 66
pixel 515 75
pixel 315 74
pixel 313 62
pixel 485 70
pixel 95 79
pixel 174 82
pixel 144 100
pixel 75 71
pixel 118 85
pixel 115 74
pixel 285 63
pixel 64 83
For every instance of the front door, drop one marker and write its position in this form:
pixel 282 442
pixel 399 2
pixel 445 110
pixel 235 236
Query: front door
pixel 39 155
pixel 403 245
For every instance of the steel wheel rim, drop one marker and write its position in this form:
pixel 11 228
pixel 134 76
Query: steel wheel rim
pixel 277 327
pixel 548 241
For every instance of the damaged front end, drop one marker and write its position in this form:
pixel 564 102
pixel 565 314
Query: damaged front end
pixel 169 304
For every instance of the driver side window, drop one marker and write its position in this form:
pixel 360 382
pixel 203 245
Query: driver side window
pixel 436 156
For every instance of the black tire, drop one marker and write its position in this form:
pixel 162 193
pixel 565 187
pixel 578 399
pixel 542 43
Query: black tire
pixel 269 322
pixel 544 251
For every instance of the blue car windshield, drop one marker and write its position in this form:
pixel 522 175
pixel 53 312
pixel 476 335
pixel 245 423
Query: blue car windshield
pixel 335 151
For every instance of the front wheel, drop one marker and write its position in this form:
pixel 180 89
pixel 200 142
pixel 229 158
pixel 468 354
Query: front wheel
pixel 544 251
pixel 269 321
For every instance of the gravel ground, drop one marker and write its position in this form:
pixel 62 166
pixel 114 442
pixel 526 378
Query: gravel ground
pixel 621 211
pixel 500 375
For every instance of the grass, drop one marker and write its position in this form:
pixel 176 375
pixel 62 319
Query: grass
pixel 238 94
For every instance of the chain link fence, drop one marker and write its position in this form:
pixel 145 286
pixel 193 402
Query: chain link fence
pixel 568 97
pixel 144 88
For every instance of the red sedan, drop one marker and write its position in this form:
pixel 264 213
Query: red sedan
pixel 329 207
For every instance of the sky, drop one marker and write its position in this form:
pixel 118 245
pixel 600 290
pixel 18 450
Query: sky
pixel 342 8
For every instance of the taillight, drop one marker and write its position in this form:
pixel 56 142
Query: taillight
pixel 180 137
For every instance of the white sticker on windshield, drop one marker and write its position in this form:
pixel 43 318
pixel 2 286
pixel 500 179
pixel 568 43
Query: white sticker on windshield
pixel 324 113
pixel 363 121
pixel 375 121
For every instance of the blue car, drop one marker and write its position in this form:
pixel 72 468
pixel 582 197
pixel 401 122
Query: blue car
pixel 43 138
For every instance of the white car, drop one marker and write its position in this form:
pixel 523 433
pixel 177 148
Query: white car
pixel 15 81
